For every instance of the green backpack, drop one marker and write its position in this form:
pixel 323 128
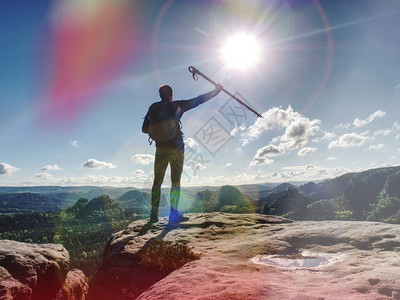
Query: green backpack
pixel 164 125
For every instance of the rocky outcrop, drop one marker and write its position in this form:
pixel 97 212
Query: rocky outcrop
pixel 11 288
pixel 75 286
pixel 121 276
pixel 251 256
pixel 32 271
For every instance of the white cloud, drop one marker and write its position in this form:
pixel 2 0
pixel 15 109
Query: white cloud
pixel 383 165
pixel 362 122
pixel 261 161
pixel 309 173
pixel 227 165
pixel 328 136
pixel 306 151
pixel 298 128
pixel 384 132
pixel 349 140
pixel 198 167
pixel 44 176
pixel 51 168
pixel 297 133
pixel 397 136
pixel 261 157
pixel 95 164
pixel 140 176
pixel 194 168
pixel 270 151
pixel 74 143
pixel 238 129
pixel 262 154
pixel 191 143
pixel 331 158
pixel 143 159
pixel 396 126
pixel 376 147
pixel 367 132
pixel 343 126
pixel 6 169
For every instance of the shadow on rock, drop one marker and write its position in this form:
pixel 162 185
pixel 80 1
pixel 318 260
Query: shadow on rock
pixel 129 269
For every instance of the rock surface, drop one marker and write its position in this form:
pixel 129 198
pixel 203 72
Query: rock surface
pixel 358 260
pixel 32 271
pixel 75 286
pixel 11 288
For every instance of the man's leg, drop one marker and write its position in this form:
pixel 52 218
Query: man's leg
pixel 176 162
pixel 160 166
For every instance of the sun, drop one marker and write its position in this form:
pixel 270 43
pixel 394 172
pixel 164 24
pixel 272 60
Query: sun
pixel 241 51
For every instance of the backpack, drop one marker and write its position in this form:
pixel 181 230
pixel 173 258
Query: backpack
pixel 164 124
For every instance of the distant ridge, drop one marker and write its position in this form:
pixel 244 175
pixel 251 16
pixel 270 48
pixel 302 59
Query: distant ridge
pixel 335 187
pixel 28 202
pixel 367 195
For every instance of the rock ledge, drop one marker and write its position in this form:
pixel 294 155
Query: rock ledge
pixel 368 269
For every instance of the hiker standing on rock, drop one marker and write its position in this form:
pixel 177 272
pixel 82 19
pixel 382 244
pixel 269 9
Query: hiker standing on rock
pixel 162 123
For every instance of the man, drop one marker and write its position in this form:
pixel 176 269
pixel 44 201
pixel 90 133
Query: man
pixel 170 151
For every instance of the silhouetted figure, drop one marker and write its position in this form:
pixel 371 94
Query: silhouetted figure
pixel 162 123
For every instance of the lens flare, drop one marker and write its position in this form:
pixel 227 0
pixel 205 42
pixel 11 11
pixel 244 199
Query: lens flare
pixel 89 45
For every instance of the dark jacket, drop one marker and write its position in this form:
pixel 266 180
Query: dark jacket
pixel 178 108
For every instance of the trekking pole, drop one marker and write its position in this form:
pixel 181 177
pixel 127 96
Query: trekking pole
pixel 195 72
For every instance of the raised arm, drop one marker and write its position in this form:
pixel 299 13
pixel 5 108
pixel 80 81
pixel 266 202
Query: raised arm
pixel 185 105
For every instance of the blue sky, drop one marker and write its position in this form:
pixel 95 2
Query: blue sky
pixel 327 83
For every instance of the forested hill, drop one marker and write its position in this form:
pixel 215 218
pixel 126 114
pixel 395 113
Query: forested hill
pixel 369 195
pixel 332 188
pixel 30 202
pixel 51 198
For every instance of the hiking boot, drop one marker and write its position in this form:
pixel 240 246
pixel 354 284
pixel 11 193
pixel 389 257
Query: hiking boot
pixel 176 218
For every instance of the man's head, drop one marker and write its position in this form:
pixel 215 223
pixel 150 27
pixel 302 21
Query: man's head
pixel 166 92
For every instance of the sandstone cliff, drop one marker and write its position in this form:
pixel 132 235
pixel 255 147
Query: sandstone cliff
pixel 252 256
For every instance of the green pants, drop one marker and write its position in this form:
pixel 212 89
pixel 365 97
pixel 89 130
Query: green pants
pixel 173 157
